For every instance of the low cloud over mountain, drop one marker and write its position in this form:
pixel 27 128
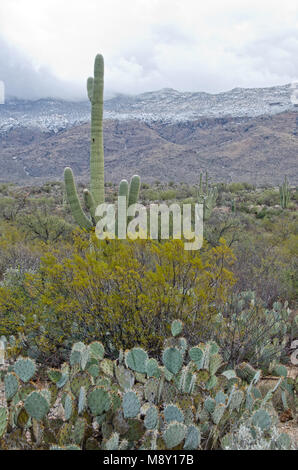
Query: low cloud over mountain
pixel 23 80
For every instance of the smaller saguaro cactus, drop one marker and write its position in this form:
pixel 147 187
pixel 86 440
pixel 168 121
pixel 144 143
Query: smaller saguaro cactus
pixel 284 194
pixel 207 196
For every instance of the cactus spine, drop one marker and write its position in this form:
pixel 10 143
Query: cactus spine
pixel 96 196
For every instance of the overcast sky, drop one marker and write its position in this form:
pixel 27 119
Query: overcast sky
pixel 47 47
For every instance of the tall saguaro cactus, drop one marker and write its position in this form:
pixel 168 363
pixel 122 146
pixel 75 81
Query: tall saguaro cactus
pixel 95 94
pixel 96 196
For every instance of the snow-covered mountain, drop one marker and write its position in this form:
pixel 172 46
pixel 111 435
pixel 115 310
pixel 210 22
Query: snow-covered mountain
pixel 166 105
pixel 173 105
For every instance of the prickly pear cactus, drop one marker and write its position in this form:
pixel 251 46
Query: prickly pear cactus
pixel 189 401
pixel 172 359
pixel 11 386
pixel 174 434
pixel 25 369
pixel 131 405
pixel 136 359
pixel 99 401
pixel 176 327
pixel 151 418
pixel 37 406
pixel 246 372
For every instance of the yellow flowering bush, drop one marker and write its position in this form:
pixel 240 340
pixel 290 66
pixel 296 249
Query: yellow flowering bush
pixel 122 293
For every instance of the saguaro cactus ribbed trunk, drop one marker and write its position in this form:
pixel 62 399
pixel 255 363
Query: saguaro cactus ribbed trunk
pixel 96 196
pixel 95 93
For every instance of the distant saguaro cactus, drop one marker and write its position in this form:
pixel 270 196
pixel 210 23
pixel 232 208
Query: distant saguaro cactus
pixel 284 194
pixel 96 195
pixel 207 196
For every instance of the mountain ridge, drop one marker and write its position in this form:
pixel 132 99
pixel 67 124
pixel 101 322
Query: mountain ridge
pixel 168 105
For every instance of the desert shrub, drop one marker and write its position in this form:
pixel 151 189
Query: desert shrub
pixel 150 195
pixel 222 225
pixel 185 191
pixel 187 400
pixel 249 186
pixel 262 213
pixel 12 205
pixel 168 195
pixel 266 257
pixel 13 277
pixel 6 188
pixel 118 292
pixel 15 252
pixel 7 208
pixel 243 207
pixel 236 187
pixel 247 331
pixel 45 227
pixel 269 197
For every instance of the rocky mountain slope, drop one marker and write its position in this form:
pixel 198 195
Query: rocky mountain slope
pixel 241 135
pixel 256 149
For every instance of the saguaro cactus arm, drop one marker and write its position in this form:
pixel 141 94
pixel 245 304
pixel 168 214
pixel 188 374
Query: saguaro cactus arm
pixel 134 189
pixel 90 88
pixel 90 204
pixel 123 189
pixel 74 202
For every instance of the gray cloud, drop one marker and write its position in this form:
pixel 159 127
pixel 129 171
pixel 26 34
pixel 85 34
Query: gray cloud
pixel 183 44
pixel 22 80
pixel 276 53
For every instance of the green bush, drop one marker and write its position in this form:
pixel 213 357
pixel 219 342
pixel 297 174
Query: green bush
pixel 168 195
pixel 235 187
pixel 247 331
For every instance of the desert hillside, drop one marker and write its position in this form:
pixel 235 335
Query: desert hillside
pixel 259 150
